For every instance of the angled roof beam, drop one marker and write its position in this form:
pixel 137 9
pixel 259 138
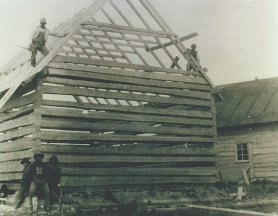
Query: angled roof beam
pixel 124 54
pixel 186 37
pixel 158 18
pixel 139 36
pixel 123 35
pixel 149 28
pixel 93 9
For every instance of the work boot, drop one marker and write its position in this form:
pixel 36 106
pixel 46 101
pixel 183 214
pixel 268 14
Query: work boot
pixel 33 62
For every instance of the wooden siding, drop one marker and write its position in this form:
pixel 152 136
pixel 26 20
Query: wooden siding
pixel 263 145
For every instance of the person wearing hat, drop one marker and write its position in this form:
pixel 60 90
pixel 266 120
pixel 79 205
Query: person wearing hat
pixel 53 177
pixel 25 182
pixel 38 174
pixel 39 38
pixel 195 55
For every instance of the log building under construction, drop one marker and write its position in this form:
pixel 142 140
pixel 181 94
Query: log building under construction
pixel 112 101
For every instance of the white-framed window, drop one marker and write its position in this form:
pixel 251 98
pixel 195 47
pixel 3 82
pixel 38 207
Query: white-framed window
pixel 242 152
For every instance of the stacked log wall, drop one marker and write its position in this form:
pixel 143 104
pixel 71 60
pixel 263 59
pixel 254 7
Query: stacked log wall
pixel 116 124
pixel 19 126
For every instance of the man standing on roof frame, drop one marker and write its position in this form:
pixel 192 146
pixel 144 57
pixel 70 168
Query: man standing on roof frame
pixel 39 38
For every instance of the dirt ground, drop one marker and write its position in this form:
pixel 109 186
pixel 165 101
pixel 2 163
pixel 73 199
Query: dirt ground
pixel 261 197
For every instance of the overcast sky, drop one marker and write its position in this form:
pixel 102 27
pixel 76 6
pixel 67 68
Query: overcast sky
pixel 238 39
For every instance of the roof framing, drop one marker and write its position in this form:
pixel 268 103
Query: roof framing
pixel 96 34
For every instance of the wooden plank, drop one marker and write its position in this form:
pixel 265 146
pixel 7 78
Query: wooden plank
pixel 112 37
pixel 129 109
pixel 104 181
pixel 74 60
pixel 141 17
pixel 125 37
pixel 16 123
pixel 31 71
pixel 96 49
pixel 18 144
pixel 18 102
pixel 126 171
pixel 246 180
pixel 141 159
pixel 77 71
pixel 66 90
pixel 65 51
pixel 105 27
pixel 231 211
pixel 10 156
pixel 10 176
pixel 10 166
pixel 130 150
pixel 86 126
pixel 155 75
pixel 15 114
pixel 186 37
pixel 123 117
pixel 17 133
pixel 161 22
pixel 109 42
pixel 86 137
pixel 123 87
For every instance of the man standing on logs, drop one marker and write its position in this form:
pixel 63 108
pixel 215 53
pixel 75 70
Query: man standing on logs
pixel 53 177
pixel 25 182
pixel 38 174
pixel 193 52
pixel 39 38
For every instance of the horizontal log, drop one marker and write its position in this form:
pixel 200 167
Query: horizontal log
pixel 18 145
pixel 27 130
pixel 10 166
pixel 124 29
pixel 196 171
pixel 10 176
pixel 175 75
pixel 130 109
pixel 59 112
pixel 105 42
pixel 65 51
pixel 84 126
pixel 15 114
pixel 74 60
pixel 91 158
pixel 81 72
pixel 18 102
pixel 129 150
pixel 97 49
pixel 10 156
pixel 130 88
pixel 113 37
pixel 104 181
pixel 18 122
pixel 85 137
pixel 63 90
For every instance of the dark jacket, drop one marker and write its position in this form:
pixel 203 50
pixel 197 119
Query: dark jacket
pixel 53 174
pixel 38 172
pixel 26 178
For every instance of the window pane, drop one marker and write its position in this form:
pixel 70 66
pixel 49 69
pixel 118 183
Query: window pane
pixel 242 152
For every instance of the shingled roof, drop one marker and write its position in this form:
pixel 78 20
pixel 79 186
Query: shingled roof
pixel 104 35
pixel 249 102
